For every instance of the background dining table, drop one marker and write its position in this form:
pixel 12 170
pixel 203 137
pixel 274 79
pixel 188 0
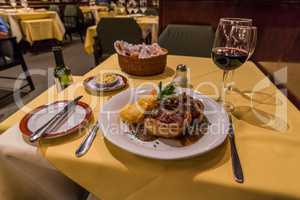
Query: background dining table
pixel 266 126
pixel 148 24
pixel 34 25
pixel 95 10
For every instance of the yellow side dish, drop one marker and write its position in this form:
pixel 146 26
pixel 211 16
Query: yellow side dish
pixel 106 78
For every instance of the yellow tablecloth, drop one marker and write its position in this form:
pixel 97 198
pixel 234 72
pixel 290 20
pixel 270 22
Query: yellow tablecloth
pixel 89 40
pixel 35 25
pixel 93 8
pixel 270 158
pixel 147 24
pixel 23 169
pixel 41 29
pixel 97 11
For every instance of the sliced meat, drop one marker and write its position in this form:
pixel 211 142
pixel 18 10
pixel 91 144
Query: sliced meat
pixel 174 115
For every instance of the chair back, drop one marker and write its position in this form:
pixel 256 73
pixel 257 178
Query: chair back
pixel 151 11
pixel 72 17
pixel 71 10
pixel 88 19
pixel 10 54
pixel 111 29
pixel 188 40
pixel 54 8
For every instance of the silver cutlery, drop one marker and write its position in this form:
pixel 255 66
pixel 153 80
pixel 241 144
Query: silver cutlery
pixel 87 142
pixel 236 163
pixel 54 121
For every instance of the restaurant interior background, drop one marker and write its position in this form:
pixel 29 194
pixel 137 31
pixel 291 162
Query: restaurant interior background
pixel 277 46
pixel 278 41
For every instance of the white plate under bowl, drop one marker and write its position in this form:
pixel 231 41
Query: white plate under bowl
pixel 116 131
pixel 92 86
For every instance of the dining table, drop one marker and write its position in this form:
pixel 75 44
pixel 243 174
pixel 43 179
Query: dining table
pixel 34 25
pixel 266 127
pixel 96 10
pixel 148 25
pixel 23 169
pixel 100 11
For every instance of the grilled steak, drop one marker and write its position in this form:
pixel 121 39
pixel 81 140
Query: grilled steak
pixel 173 116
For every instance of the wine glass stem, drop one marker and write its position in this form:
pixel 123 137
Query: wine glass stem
pixel 230 80
pixel 226 85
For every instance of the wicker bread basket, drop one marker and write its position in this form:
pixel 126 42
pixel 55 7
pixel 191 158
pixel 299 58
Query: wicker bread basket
pixel 143 67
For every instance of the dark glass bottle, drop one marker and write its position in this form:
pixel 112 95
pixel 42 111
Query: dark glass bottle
pixel 62 74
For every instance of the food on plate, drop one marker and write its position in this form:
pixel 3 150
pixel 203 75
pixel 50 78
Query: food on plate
pixel 132 114
pixel 147 102
pixel 166 114
pixel 140 51
pixel 174 116
pixel 107 79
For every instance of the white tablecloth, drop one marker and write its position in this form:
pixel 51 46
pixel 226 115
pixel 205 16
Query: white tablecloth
pixel 25 174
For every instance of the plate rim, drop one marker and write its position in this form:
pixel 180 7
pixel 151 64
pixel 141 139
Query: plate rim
pixel 24 122
pixel 219 143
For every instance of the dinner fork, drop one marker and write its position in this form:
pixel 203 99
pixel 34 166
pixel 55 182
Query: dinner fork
pixel 236 163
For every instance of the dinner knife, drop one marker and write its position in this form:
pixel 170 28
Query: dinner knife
pixel 236 163
pixel 87 142
pixel 48 126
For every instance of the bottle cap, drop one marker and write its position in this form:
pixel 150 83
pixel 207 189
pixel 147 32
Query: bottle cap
pixel 181 68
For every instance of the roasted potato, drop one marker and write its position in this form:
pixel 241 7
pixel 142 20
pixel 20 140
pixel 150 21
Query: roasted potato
pixel 132 114
pixel 147 102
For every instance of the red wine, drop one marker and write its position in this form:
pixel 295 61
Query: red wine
pixel 229 58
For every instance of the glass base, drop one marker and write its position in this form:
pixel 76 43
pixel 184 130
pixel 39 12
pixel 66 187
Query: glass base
pixel 228 107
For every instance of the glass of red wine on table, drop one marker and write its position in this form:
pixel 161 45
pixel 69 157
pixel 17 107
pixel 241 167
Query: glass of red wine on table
pixel 232 48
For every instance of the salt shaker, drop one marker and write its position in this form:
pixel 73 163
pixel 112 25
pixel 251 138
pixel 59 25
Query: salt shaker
pixel 180 78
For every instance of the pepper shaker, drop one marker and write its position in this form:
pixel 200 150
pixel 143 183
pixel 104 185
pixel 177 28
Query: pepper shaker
pixel 180 78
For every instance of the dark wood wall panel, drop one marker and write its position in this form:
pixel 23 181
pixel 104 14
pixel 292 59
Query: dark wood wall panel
pixel 278 21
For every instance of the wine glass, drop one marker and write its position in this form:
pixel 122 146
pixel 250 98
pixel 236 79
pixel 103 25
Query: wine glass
pixel 24 4
pixel 253 41
pixel 120 7
pixel 13 3
pixel 129 7
pixel 122 2
pixel 230 50
pixel 143 6
pixel 92 3
pixel 226 24
pixel 135 7
pixel 155 3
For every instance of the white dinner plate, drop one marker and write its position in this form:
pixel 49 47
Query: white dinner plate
pixel 116 131
pixel 81 114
